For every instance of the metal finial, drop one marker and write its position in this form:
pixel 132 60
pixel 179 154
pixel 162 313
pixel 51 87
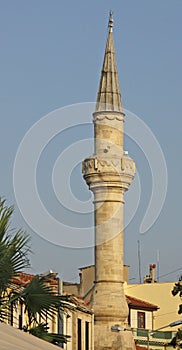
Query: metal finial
pixel 110 25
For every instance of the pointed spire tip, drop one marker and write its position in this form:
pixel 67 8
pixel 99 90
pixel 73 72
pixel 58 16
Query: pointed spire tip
pixel 111 21
pixel 109 97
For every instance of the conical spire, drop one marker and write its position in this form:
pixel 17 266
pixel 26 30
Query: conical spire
pixel 109 97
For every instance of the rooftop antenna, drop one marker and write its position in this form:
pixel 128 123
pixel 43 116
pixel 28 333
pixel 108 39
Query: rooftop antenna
pixel 139 262
pixel 158 258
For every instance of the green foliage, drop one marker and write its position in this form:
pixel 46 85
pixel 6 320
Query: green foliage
pixel 41 331
pixel 179 333
pixel 37 296
pixel 14 248
pixel 177 289
pixel 176 342
pixel 39 299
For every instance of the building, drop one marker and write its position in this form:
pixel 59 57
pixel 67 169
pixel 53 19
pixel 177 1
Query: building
pixel 78 323
pixel 85 285
pixel 158 293
pixel 109 173
pixel 143 313
pixel 76 317
pixel 141 319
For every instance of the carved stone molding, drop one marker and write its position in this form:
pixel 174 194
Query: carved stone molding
pixel 112 175
pixel 93 164
pixel 100 117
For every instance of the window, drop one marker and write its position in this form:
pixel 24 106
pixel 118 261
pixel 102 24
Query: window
pixel 141 319
pixel 129 317
pixel 79 342
pixel 10 315
pixel 86 335
pixel 20 315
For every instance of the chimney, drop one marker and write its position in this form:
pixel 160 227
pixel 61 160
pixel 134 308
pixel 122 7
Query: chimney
pixel 151 277
pixel 152 272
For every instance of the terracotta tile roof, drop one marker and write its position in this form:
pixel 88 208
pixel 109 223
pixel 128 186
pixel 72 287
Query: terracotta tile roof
pixel 22 278
pixel 78 302
pixel 140 304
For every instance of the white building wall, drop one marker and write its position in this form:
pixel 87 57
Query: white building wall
pixel 160 295
pixel 133 318
pixel 70 316
pixel 68 331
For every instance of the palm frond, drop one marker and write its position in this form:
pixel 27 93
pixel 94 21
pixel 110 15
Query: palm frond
pixel 41 331
pixel 39 298
pixel 14 249
pixel 5 215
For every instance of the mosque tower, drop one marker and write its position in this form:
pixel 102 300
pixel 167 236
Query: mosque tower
pixel 109 173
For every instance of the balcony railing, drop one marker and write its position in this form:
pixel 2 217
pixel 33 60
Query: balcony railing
pixel 158 336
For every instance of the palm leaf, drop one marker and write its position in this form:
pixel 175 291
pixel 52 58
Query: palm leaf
pixel 5 215
pixel 14 248
pixel 39 298
pixel 41 331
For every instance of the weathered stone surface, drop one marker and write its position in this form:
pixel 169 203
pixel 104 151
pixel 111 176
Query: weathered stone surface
pixel 105 339
pixel 109 174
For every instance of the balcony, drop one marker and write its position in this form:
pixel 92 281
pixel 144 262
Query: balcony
pixel 156 340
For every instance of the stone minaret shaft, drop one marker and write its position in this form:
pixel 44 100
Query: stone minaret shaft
pixel 108 174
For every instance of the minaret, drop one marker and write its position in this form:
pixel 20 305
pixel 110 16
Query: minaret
pixel 108 173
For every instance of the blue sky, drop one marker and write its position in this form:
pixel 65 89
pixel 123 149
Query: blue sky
pixel 51 56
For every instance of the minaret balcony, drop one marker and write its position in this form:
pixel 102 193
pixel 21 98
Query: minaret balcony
pixel 110 172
